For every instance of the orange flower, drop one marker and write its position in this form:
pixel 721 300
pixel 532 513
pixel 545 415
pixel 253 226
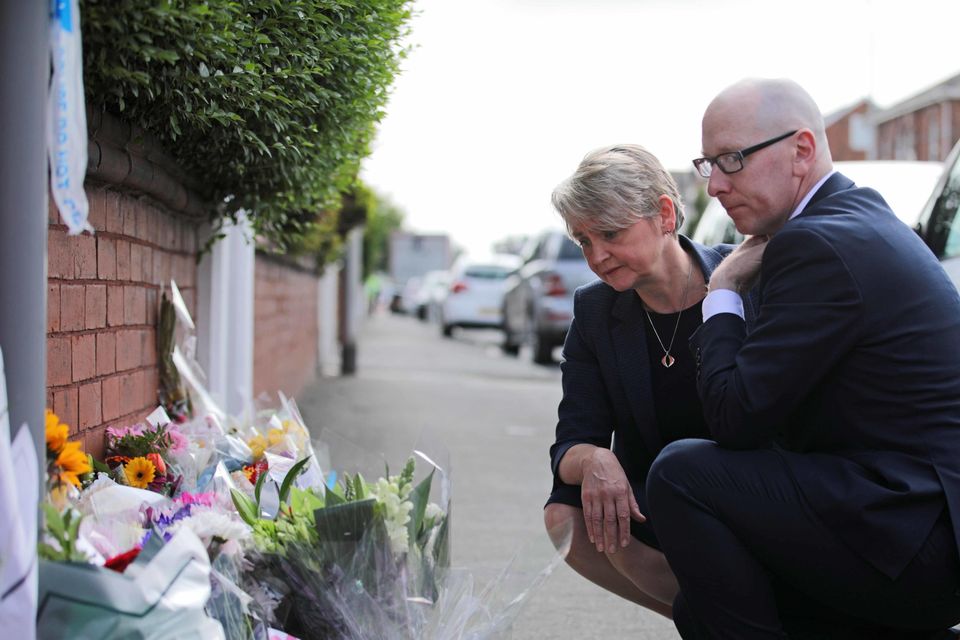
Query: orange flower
pixel 56 432
pixel 158 462
pixel 140 472
pixel 73 462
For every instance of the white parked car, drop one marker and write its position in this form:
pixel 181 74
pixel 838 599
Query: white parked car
pixel 939 224
pixel 475 294
pixel 430 295
pixel 905 185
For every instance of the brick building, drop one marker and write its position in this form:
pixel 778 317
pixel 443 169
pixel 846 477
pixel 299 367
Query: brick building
pixel 922 127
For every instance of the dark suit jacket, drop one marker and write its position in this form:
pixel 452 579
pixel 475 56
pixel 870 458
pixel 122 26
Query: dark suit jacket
pixel 606 376
pixel 854 364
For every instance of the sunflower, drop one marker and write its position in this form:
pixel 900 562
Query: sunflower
pixel 139 472
pixel 56 432
pixel 73 462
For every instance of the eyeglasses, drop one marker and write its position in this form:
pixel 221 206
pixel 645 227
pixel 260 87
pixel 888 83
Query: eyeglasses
pixel 732 161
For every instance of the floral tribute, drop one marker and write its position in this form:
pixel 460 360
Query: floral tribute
pixel 228 527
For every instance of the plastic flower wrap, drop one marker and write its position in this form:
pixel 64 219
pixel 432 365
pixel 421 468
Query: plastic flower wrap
pixel 355 560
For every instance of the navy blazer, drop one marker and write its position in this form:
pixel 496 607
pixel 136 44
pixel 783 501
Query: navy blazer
pixel 852 368
pixel 606 377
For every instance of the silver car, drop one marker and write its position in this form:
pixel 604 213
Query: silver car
pixel 538 303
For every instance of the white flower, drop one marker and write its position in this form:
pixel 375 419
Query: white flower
pixel 210 523
pixel 397 510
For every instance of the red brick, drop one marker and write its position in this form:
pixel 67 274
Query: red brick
pixel 151 381
pixel 59 256
pixel 65 405
pixel 129 207
pixel 110 396
pixel 95 306
pixel 106 353
pixel 71 307
pixel 59 361
pixel 159 274
pixel 134 305
pixel 148 345
pixel 147 268
pixel 129 344
pixel 123 260
pixel 97 214
pixel 131 392
pixel 85 256
pixel 106 258
pixel 114 306
pixel 113 213
pixel 152 307
pixel 90 413
pixel 189 243
pixel 84 356
pixel 136 262
pixel 93 441
pixel 53 307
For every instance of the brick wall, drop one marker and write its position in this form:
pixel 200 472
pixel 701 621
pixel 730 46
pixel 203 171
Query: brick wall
pixel 102 302
pixel 285 327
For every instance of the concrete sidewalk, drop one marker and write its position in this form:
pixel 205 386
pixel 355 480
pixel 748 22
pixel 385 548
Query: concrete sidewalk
pixel 495 416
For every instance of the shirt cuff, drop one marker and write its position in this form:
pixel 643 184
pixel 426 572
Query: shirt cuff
pixel 722 301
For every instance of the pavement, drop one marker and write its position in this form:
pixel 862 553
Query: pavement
pixel 490 420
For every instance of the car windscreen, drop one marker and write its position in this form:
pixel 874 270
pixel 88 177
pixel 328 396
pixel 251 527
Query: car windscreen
pixel 487 272
pixel 569 250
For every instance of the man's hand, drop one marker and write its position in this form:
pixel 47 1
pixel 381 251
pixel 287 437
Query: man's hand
pixel 608 501
pixel 740 270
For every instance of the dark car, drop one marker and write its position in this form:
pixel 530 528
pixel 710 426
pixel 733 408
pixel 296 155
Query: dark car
pixel 538 303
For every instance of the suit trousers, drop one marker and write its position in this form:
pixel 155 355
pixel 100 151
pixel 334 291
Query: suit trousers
pixel 753 559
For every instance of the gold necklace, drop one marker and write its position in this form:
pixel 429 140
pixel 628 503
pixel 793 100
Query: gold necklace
pixel 667 360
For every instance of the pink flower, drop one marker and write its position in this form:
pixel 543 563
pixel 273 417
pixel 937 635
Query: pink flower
pixel 118 432
pixel 178 441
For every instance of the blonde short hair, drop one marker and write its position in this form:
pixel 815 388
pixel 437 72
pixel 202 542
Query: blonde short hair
pixel 614 187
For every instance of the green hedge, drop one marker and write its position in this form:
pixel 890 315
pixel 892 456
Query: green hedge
pixel 269 105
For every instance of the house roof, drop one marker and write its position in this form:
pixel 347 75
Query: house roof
pixel 836 116
pixel 943 91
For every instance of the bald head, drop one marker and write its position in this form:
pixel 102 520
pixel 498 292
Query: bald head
pixel 774 131
pixel 771 106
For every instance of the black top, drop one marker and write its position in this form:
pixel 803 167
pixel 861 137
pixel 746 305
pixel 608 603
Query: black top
pixel 676 402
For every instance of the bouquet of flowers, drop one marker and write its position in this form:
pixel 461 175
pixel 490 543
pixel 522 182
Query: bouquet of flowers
pixel 140 455
pixel 353 560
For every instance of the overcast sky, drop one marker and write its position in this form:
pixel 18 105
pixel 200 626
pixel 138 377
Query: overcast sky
pixel 501 99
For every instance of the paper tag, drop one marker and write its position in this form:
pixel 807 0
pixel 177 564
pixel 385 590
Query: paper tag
pixel 159 417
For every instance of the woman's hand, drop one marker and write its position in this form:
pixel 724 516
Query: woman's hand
pixel 608 502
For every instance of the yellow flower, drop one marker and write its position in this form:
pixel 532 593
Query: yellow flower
pixel 56 432
pixel 257 444
pixel 139 472
pixel 276 436
pixel 73 462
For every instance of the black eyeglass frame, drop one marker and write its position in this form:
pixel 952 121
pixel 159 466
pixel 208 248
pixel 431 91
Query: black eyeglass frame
pixel 704 166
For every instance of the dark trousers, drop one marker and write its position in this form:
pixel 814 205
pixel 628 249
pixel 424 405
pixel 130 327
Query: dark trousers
pixel 754 561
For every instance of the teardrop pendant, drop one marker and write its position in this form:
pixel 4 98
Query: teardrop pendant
pixel 667 360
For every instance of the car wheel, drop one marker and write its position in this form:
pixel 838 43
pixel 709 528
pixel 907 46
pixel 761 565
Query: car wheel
pixel 447 330
pixel 542 348
pixel 509 345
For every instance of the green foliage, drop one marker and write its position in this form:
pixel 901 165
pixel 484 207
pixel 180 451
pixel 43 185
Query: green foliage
pixel 62 529
pixel 383 218
pixel 268 105
pixel 294 521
